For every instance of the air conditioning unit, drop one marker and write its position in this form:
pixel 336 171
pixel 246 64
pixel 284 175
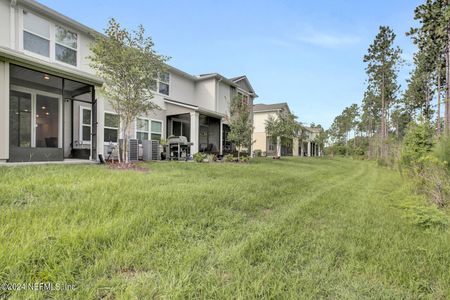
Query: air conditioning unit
pixel 151 150
pixel 133 149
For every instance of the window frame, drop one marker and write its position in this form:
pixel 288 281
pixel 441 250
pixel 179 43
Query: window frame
pixel 52 41
pixel 158 81
pixel 108 127
pixel 154 132
pixel 82 108
pixel 149 132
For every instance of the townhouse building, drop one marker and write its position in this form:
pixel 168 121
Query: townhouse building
pixel 50 107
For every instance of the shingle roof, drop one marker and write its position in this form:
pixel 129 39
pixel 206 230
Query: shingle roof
pixel 275 106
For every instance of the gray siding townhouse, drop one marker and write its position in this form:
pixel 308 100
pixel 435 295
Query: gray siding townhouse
pixel 50 109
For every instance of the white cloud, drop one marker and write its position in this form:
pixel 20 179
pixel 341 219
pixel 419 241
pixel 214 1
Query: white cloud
pixel 309 35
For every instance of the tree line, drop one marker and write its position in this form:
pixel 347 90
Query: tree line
pixel 409 127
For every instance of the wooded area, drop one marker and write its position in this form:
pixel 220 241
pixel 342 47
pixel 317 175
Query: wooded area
pixel 406 128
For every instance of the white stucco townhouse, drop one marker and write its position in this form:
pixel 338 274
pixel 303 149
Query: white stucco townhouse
pixel 49 107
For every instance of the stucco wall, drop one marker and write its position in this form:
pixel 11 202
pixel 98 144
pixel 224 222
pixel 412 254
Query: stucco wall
pixel 223 101
pixel 259 120
pixel 205 93
pixel 181 89
pixel 260 141
pixel 4 23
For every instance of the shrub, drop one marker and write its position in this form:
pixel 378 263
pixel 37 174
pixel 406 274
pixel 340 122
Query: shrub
pixel 199 157
pixel 229 158
pixel 245 159
pixel 211 157
pixel 433 177
pixel 417 144
pixel 442 150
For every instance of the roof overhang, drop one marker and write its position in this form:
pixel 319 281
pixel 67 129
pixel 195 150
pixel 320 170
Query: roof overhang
pixel 27 61
pixel 194 108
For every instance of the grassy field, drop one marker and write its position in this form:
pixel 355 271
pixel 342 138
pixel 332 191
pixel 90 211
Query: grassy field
pixel 294 228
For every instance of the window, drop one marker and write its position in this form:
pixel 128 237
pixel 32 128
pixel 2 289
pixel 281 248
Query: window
pixel 85 124
pixel 146 130
pixel 156 130
pixel 65 45
pixel 40 37
pixel 112 123
pixel 161 85
pixel 243 98
pixel 164 79
pixel 36 34
pixel 142 129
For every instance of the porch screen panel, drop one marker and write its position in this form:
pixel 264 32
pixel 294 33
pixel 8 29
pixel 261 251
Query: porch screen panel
pixel 20 119
pixel 47 121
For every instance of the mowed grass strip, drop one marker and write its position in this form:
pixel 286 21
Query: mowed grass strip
pixel 294 228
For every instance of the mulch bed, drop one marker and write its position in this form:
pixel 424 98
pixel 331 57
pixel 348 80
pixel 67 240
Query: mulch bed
pixel 126 167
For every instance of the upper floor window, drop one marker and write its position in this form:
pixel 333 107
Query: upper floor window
pixel 36 34
pixel 244 98
pixel 49 40
pixel 161 84
pixel 65 45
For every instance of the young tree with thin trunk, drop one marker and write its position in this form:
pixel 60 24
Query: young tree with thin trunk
pixel 282 127
pixel 240 122
pixel 129 66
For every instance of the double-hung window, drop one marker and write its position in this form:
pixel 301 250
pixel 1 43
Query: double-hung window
pixel 36 34
pixel 111 130
pixel 142 129
pixel 148 130
pixel 156 130
pixel 243 98
pixel 65 45
pixel 85 124
pixel 163 83
pixel 49 40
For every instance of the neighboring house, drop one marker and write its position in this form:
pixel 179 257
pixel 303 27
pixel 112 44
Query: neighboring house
pixel 304 146
pixel 49 108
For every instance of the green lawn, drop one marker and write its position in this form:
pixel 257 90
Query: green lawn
pixel 294 228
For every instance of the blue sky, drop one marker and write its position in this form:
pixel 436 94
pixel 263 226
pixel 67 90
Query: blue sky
pixel 306 53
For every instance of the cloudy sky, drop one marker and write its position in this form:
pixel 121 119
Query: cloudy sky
pixel 306 53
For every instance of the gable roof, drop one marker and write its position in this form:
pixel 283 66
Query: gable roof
pixel 246 81
pixel 260 107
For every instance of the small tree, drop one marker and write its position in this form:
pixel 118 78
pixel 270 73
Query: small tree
pixel 129 66
pixel 241 125
pixel 282 128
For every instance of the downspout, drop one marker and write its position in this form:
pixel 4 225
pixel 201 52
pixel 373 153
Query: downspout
pixel 12 24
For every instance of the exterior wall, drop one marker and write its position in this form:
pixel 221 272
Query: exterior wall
pixel 260 139
pixel 224 97
pixel 205 94
pixel 181 89
pixel 4 110
pixel 5 36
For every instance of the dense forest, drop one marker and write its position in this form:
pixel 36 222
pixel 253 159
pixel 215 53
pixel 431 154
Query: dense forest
pixel 405 128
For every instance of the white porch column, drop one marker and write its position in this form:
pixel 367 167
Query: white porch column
pixel 301 148
pixel 295 147
pixel 309 149
pixel 4 111
pixel 278 146
pixel 194 132
pixel 100 127
pixel 221 137
pixel 318 151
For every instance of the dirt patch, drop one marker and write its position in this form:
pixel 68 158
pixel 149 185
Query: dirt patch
pixel 127 166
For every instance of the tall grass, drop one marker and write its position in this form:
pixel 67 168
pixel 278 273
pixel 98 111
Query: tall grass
pixel 290 228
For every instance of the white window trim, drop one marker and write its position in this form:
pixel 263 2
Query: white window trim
pixel 154 132
pixel 157 86
pixel 108 127
pixel 82 108
pixel 149 127
pixel 52 40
